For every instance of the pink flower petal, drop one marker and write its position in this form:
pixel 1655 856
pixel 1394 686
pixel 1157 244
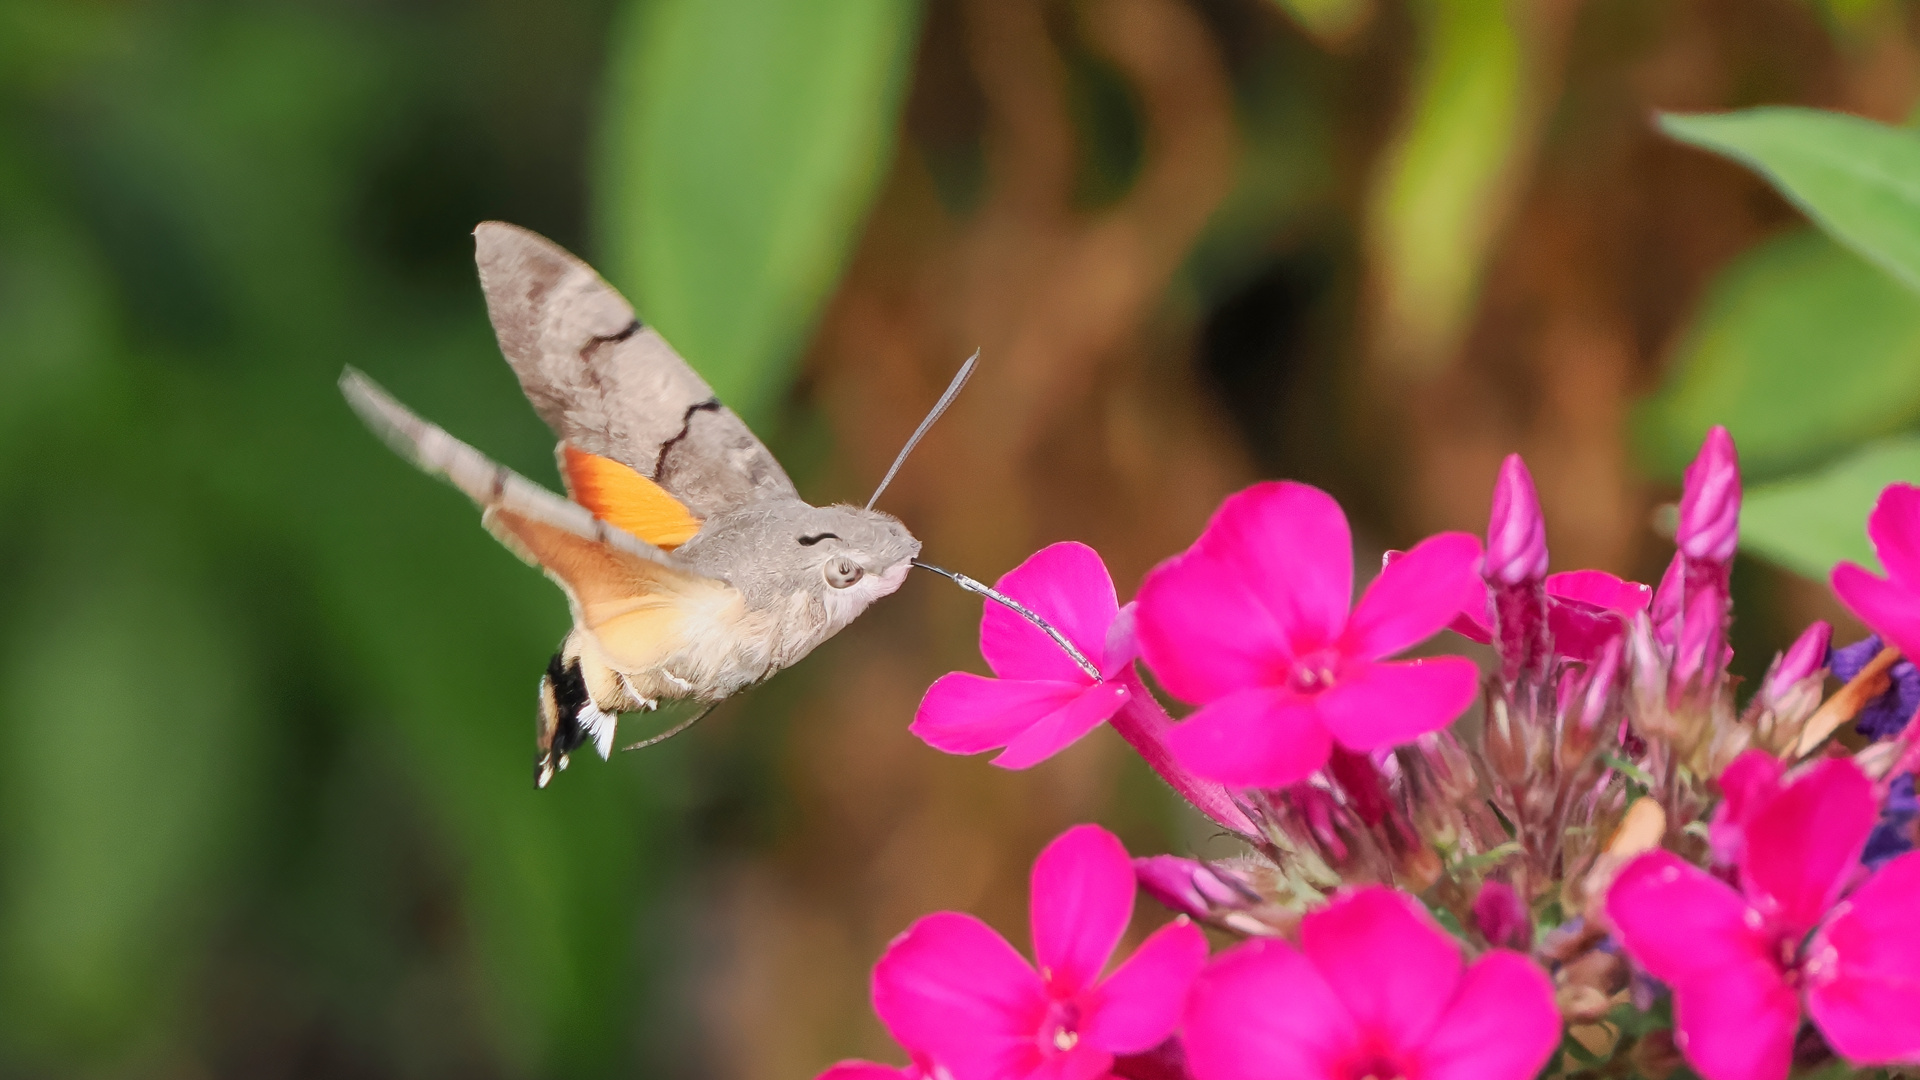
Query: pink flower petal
pixel 1288 544
pixel 1065 584
pixel 1373 932
pixel 1804 844
pixel 1255 738
pixel 1737 1024
pixel 1384 704
pixel 1201 630
pixel 1501 1024
pixel 1600 589
pixel 1064 726
pixel 1416 596
pixel 1581 632
pixel 1749 782
pixel 964 713
pixel 1863 969
pixel 1680 922
pixel 1589 608
pixel 1262 1011
pixel 1890 609
pixel 1123 642
pixel 1081 898
pixel 1472 623
pixel 1140 1004
pixel 865 1070
pixel 1894 528
pixel 953 989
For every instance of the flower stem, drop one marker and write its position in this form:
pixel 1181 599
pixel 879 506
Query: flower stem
pixel 1143 723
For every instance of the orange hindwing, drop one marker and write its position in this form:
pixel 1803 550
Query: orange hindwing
pixel 624 499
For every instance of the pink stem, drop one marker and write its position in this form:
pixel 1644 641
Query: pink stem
pixel 1143 723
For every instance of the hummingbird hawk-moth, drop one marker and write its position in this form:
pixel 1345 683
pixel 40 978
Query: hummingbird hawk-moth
pixel 692 566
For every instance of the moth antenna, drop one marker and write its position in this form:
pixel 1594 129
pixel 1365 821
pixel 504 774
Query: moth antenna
pixel 953 391
pixel 1019 609
pixel 655 740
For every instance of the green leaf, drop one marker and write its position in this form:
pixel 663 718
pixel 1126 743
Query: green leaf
pixel 1809 523
pixel 1857 179
pixel 1802 350
pixel 744 141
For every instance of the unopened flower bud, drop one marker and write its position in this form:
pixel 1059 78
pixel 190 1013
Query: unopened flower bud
pixel 1501 917
pixel 1710 503
pixel 1597 690
pixel 1667 598
pixel 1805 658
pixel 1516 533
pixel 1193 888
pixel 1702 647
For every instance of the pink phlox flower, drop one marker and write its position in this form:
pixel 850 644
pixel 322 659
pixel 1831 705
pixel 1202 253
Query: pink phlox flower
pixel 1740 961
pixel 1890 605
pixel 1375 989
pixel 1252 623
pixel 1042 701
pixel 1585 610
pixel 953 987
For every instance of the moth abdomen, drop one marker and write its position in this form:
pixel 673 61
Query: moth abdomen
pixel 568 717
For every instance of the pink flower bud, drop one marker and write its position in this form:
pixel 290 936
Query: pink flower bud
pixel 1710 503
pixel 1665 611
pixel 1501 918
pixel 1193 888
pixel 1593 689
pixel 1516 533
pixel 1701 653
pixel 1805 658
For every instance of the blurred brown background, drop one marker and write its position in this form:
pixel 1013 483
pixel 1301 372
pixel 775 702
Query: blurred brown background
pixel 266 692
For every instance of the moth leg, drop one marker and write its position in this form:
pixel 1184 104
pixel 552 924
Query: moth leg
pixel 679 683
pixel 639 701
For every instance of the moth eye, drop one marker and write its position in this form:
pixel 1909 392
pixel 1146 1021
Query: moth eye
pixel 843 572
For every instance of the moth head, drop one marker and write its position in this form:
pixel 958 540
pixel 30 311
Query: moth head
pixel 849 557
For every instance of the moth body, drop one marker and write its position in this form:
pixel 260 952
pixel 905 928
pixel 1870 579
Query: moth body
pixel 691 565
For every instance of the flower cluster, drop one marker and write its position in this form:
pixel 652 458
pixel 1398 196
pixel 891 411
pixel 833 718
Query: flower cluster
pixel 1582 857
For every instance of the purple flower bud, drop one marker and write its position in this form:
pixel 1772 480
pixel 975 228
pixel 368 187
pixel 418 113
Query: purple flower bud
pixel 1193 888
pixel 1805 658
pixel 1516 533
pixel 1710 503
pixel 1501 918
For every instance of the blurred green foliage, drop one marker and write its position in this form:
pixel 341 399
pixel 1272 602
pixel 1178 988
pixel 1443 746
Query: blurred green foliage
pixel 1808 523
pixel 1808 349
pixel 266 692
